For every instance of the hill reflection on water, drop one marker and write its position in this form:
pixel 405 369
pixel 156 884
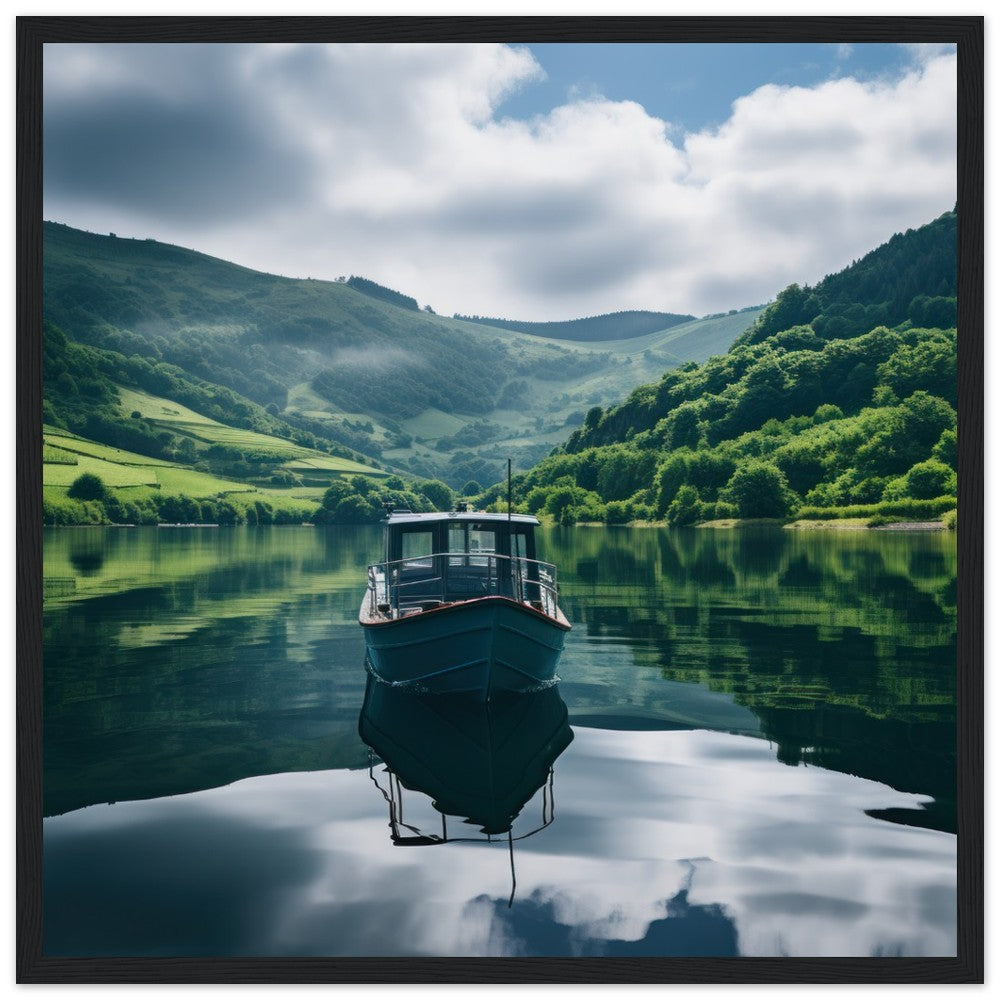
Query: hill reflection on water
pixel 182 661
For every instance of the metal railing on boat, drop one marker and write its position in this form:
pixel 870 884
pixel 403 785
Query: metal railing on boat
pixel 419 583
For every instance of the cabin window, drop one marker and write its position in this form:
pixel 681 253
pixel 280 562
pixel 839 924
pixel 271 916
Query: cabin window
pixel 482 540
pixel 519 545
pixel 474 540
pixel 418 547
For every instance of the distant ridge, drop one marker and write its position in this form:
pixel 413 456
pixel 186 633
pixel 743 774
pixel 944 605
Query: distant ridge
pixel 610 326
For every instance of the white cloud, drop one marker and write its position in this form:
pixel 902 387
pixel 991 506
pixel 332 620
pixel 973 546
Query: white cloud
pixel 396 162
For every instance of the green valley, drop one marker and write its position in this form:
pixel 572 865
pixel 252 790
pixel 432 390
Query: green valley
pixel 195 390
pixel 347 365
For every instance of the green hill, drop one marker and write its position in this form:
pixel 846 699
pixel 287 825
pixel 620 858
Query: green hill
pixel 819 409
pixel 347 366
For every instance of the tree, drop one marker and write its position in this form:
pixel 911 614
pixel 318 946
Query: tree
pixel 670 479
pixel 925 419
pixel 560 501
pixel 762 393
pixel 439 494
pixel 794 306
pixel 802 463
pixel 618 512
pixel 686 506
pixel 930 365
pixel 179 509
pixel 362 485
pixel 937 311
pixel 904 435
pixel 186 451
pixel 681 427
pixel 759 489
pixel 355 509
pixel 88 487
pixel 930 479
pixel 946 450
pixel 709 472
pixel 623 471
pixel 339 490
pixel 826 412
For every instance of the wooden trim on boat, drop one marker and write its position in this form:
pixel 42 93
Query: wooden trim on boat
pixel 372 622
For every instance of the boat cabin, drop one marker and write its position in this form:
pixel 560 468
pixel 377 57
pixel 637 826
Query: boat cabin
pixel 440 558
pixel 469 533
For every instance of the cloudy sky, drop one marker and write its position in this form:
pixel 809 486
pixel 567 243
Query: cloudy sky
pixel 542 182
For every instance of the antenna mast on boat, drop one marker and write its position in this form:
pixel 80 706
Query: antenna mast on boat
pixel 508 491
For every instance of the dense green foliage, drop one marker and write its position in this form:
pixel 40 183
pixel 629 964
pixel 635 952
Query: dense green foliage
pixel 613 326
pixel 360 500
pixel 912 277
pixel 820 406
pixel 81 395
pixel 87 487
pixel 377 291
pixel 139 506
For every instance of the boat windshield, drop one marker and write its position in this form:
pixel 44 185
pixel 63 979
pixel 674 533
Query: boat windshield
pixel 475 540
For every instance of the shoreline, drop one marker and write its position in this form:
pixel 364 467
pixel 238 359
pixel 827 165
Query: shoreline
pixel 801 524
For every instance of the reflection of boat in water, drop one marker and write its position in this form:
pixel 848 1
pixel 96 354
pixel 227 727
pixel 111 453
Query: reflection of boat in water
pixel 478 762
pixel 460 603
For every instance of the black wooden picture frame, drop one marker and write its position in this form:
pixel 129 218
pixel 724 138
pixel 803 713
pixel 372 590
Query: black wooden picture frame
pixel 966 966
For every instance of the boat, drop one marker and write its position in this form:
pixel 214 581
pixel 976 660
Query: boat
pixel 459 603
pixel 478 762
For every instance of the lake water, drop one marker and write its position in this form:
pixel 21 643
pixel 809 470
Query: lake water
pixel 750 751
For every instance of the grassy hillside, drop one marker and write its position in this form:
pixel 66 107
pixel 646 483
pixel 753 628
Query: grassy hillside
pixel 211 438
pixel 84 482
pixel 191 468
pixel 818 410
pixel 211 473
pixel 332 364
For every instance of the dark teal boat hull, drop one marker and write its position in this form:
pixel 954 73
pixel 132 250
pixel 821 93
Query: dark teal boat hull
pixel 475 647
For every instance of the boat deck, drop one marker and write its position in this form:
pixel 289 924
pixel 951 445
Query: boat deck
pixel 374 614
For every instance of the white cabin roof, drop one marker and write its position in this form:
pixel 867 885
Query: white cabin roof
pixel 407 517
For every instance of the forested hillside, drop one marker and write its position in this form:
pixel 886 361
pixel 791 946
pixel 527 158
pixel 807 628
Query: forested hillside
pixel 838 401
pixel 82 395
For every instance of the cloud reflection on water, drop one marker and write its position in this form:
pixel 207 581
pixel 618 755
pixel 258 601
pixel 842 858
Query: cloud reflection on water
pixel 664 843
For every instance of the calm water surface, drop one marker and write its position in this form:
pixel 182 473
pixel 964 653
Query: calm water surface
pixel 751 751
